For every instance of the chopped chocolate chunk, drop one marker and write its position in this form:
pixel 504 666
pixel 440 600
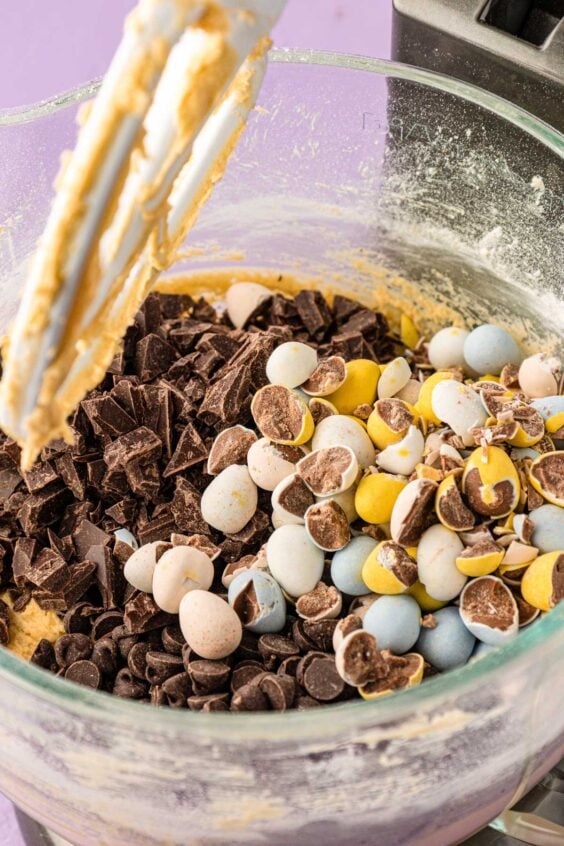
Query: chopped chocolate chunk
pixel 190 450
pixel 153 356
pixel 44 656
pixel 142 614
pixel 39 476
pixel 87 536
pixel 25 551
pixel 49 571
pixel 107 416
pixel 314 313
pixel 140 444
pixel 186 509
pixel 227 400
pixel 4 623
pixel 43 508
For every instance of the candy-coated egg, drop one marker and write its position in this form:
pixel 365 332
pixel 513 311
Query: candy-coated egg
pixel 425 602
pixel 242 299
pixel 258 600
pixel 294 560
pixel 539 375
pixel 359 387
pixel 408 332
pixel 437 552
pixel 481 559
pixel 209 625
pixel 390 421
pixel 542 585
pixel 491 482
pixel 281 415
pixel 546 475
pixel 489 611
pixel 407 674
pixel 179 570
pixel 446 348
pixel 340 430
pixel 548 531
pixel 376 496
pixel 140 566
pixel 389 569
pixel 395 622
pixel 403 457
pixel 269 463
pixel 457 405
pixel 347 563
pixel 488 348
pixel 291 364
pixel 395 377
pixel 424 403
pixel 449 644
pixel 230 500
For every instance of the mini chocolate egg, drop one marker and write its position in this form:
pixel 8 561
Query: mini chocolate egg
pixel 359 387
pixel 397 673
pixel 425 602
pixel 179 570
pixel 488 348
pixel 290 500
pixel 291 364
pixel 345 626
pixel 281 415
pixel 356 657
pixel 395 376
pixel 446 348
pixel 209 625
pixel 321 408
pixel 530 427
pixel 230 500
pixel 481 559
pixel 405 455
pixel 294 560
pixel 548 528
pixel 360 604
pixel 243 299
pixel 449 644
pixel 339 430
pixel 389 569
pixel 125 536
pixel 546 475
pixel 258 601
pixel 409 335
pixel 516 556
pixel 327 377
pixel 457 405
pixel 140 566
pixel 376 496
pixel 539 375
pixel 424 403
pixel 327 525
pixel 552 411
pixel 346 500
pixel 230 447
pixel 347 564
pixel 489 611
pixel 450 507
pixel 328 471
pixel 542 585
pixel 395 622
pixel 437 552
pixel 324 602
pixel 390 421
pixel 410 392
pixel 491 482
pixel 269 463
pixel 411 510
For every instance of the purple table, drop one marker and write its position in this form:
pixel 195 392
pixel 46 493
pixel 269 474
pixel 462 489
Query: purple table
pixel 51 47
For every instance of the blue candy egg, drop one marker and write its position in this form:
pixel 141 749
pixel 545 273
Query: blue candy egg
pixel 449 644
pixel 266 609
pixel 395 622
pixel 346 566
pixel 549 406
pixel 548 532
pixel 482 649
pixel 488 348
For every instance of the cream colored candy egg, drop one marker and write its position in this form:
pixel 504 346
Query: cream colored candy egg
pixel 269 463
pixel 140 566
pixel 446 348
pixel 459 407
pixel 395 376
pixel 291 364
pixel 209 624
pixel 403 457
pixel 437 552
pixel 294 560
pixel 230 500
pixel 539 375
pixel 180 570
pixel 242 299
pixel 340 430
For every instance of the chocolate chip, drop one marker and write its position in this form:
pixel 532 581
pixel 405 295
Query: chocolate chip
pixel 321 679
pixel 274 648
pixel 249 697
pixel 208 676
pixel 320 633
pixel 127 686
pixel 72 647
pixel 302 703
pixel 124 640
pixel 279 690
pixel 4 623
pixel 44 656
pixel 212 702
pixel 161 666
pixel 85 673
pixel 172 639
pixel 137 659
pixel 244 672
pixel 177 689
pixel 289 666
pixel 105 655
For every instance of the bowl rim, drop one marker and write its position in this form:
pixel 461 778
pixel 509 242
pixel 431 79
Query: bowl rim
pixel 350 715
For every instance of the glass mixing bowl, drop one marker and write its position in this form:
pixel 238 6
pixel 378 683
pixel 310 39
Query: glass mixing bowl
pixel 356 172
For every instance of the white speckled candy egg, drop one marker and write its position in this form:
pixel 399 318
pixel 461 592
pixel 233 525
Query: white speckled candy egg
pixel 269 463
pixel 230 500
pixel 294 560
pixel 395 376
pixel 210 626
pixel 457 405
pixel 347 564
pixel 395 622
pixel 488 348
pixel 403 457
pixel 257 598
pixel 179 570
pixel 437 552
pixel 290 500
pixel 125 536
pixel 539 375
pixel 548 532
pixel 242 299
pixel 446 348
pixel 140 566
pixel 340 430
pixel 291 364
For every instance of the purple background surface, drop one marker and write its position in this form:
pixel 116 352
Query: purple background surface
pixel 49 47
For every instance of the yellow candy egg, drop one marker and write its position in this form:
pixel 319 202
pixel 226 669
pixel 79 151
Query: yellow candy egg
pixel 426 603
pixel 531 428
pixel 390 421
pixel 282 416
pixel 542 585
pixel 389 570
pixel 491 482
pixel 481 559
pixel 408 672
pixel 450 507
pixel 408 332
pixel 555 423
pixel 424 405
pixel 546 475
pixel 376 496
pixel 359 387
